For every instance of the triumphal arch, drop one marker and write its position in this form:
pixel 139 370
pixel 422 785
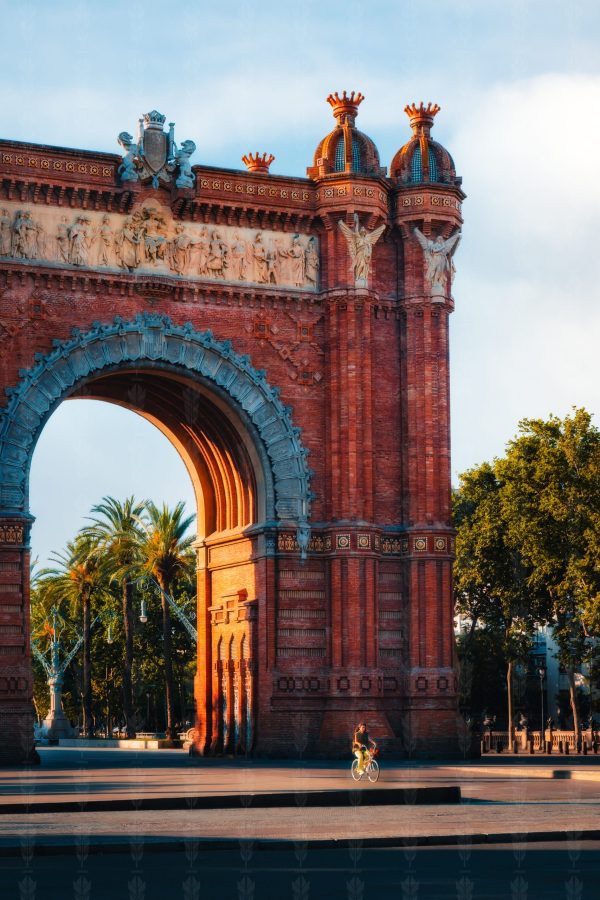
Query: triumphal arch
pixel 290 337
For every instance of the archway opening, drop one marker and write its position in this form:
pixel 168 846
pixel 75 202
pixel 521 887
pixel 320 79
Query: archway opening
pixel 220 457
pixel 250 476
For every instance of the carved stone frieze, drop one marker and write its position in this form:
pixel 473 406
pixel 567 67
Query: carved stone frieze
pixel 11 533
pixel 151 241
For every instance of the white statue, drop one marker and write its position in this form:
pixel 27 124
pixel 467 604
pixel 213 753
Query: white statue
pixel 360 244
pixel 438 260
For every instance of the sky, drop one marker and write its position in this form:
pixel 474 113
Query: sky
pixel 518 82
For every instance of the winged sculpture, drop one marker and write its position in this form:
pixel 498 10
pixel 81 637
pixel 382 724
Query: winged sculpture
pixel 438 259
pixel 360 245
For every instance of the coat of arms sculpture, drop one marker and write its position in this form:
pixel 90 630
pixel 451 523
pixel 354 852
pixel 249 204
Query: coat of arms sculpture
pixel 155 156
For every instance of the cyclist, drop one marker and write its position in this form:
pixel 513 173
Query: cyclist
pixel 360 745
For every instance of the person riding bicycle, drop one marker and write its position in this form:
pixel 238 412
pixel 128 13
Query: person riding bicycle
pixel 360 745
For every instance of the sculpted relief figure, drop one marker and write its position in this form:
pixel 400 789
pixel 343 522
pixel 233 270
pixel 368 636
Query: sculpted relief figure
pixel 259 254
pixel 5 232
pixel 296 256
pixel 201 251
pixel 81 241
pixel 106 242
pixel 360 245
pixel 151 229
pixel 149 239
pixel 438 260
pixel 180 250
pixel 27 237
pixel 311 262
pixel 128 246
pixel 237 259
pixel 217 256
pixel 63 240
pixel 273 263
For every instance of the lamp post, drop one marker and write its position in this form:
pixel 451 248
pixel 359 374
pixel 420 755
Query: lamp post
pixel 542 674
pixel 148 581
pixel 56 724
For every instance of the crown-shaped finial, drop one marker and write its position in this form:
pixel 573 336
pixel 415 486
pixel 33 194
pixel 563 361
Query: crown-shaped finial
pixel 421 117
pixel 154 119
pixel 254 162
pixel 346 106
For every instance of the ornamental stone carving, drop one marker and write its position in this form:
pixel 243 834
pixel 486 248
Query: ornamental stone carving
pixel 154 156
pixel 360 246
pixel 439 268
pixel 150 241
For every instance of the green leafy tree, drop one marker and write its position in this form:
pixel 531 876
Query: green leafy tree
pixel 491 576
pixel 165 554
pixel 117 532
pixel 551 476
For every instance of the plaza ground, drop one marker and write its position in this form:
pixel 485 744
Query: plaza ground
pixel 156 821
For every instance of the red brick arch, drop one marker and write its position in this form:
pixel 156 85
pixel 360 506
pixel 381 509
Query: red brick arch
pixel 227 308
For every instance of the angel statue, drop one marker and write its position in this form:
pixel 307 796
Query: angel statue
pixel 360 245
pixel 438 259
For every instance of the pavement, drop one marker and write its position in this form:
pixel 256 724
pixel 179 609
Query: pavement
pixel 163 798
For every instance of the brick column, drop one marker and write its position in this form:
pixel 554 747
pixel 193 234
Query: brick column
pixel 431 681
pixel 16 682
pixel 203 678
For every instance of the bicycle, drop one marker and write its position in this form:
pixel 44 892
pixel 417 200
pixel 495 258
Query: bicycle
pixel 371 769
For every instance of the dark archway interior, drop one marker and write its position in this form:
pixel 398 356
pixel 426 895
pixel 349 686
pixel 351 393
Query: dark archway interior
pixel 212 448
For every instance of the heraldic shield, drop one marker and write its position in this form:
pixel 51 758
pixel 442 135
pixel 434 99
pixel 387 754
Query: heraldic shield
pixel 155 142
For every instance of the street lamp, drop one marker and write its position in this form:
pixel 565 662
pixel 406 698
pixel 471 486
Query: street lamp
pixel 148 582
pixel 542 674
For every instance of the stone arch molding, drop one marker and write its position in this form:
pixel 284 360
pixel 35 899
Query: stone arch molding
pixel 156 340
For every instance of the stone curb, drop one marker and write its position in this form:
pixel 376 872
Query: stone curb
pixel 365 796
pixel 44 846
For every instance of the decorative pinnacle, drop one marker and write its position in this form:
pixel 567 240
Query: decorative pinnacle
pixel 345 107
pixel 254 162
pixel 421 117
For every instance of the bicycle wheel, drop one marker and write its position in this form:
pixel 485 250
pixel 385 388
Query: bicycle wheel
pixel 354 769
pixel 373 771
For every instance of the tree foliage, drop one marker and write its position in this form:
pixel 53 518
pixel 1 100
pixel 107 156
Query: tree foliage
pixel 101 568
pixel 528 541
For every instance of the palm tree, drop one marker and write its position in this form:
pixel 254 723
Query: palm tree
pixel 116 529
pixel 77 579
pixel 166 554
